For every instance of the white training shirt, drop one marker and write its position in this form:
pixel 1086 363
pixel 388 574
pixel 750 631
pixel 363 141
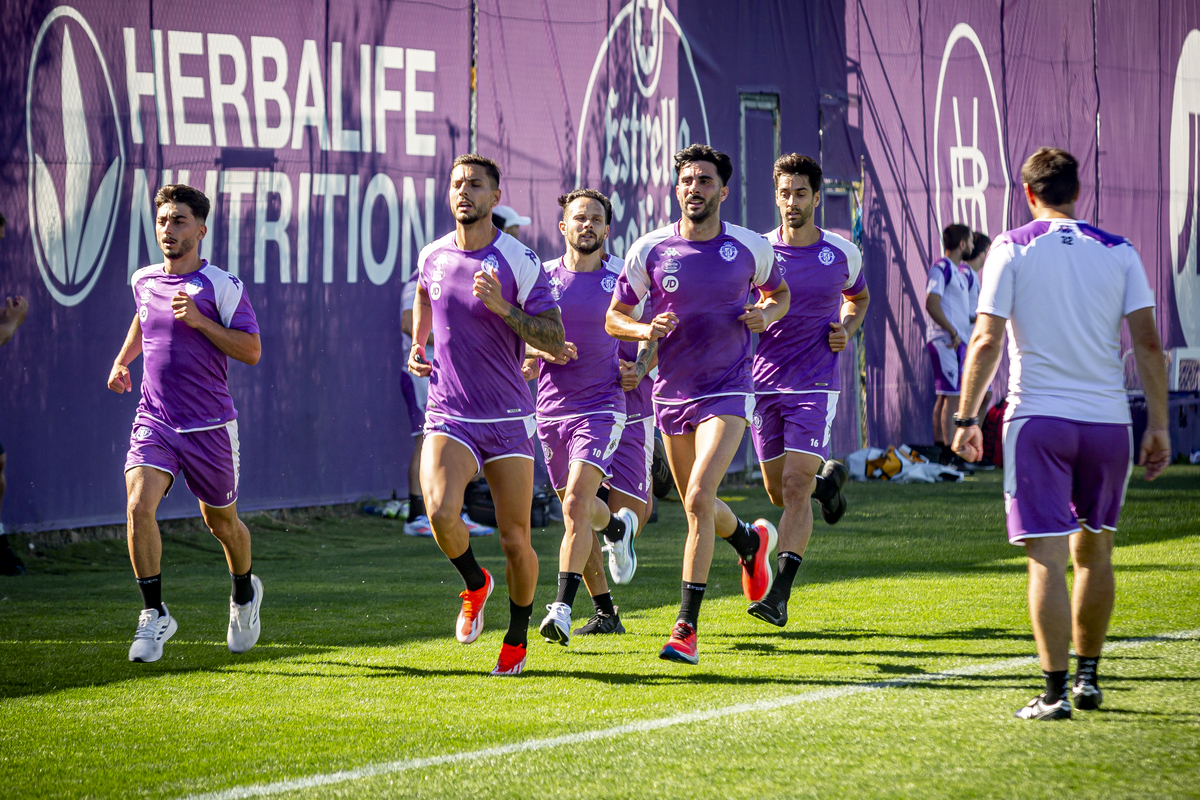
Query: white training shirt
pixel 947 281
pixel 1064 286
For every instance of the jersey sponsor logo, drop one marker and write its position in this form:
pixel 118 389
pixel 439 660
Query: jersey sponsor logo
pixel 73 207
pixel 976 168
pixel 1183 200
pixel 435 291
pixel 670 283
pixel 141 433
pixel 670 265
pixel 439 271
pixel 491 265
pixel 608 283
pixel 143 313
pixel 556 288
pixel 826 256
pixel 728 251
pixel 144 294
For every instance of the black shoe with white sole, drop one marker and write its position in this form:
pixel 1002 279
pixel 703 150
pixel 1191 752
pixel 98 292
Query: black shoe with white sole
pixel 1038 708
pixel 601 623
pixel 1087 696
pixel 770 609
pixel 836 473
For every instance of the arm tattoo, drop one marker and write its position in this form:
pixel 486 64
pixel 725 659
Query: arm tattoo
pixel 646 353
pixel 544 332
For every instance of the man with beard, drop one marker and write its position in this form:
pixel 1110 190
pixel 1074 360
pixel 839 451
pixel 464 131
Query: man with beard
pixel 192 317
pixel 484 296
pixel 796 376
pixel 699 274
pixel 581 410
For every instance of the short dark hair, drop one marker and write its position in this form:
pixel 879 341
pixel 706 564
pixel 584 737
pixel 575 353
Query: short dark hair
pixel 954 235
pixel 182 193
pixel 980 242
pixel 489 166
pixel 702 152
pixel 796 164
pixel 570 197
pixel 1053 175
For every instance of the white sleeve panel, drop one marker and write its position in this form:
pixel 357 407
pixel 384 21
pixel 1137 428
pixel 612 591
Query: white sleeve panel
pixel 635 262
pixel 852 253
pixel 759 247
pixel 227 290
pixel 526 266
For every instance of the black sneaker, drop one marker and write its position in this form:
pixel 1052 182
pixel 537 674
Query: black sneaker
pixel 770 609
pixel 10 562
pixel 836 472
pixel 1038 708
pixel 601 623
pixel 1087 696
pixel 660 471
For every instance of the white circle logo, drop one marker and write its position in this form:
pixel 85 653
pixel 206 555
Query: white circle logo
pixel 826 256
pixel 728 251
pixel 437 273
pixel 609 283
pixel 965 162
pixel 757 421
pixel 670 283
pixel 143 312
pixel 1183 201
pixel 72 207
pixel 435 291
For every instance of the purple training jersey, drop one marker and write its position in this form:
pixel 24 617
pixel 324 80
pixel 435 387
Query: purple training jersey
pixel 477 365
pixel 589 384
pixel 638 405
pixel 184 375
pixel 706 284
pixel 793 353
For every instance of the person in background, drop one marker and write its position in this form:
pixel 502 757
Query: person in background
pixel 509 221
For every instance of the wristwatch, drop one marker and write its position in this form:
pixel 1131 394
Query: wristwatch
pixel 965 422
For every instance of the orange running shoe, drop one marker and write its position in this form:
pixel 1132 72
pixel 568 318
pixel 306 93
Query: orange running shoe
pixel 756 582
pixel 470 618
pixel 511 661
pixel 681 646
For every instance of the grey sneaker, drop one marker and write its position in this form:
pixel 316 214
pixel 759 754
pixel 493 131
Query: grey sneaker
pixel 244 622
pixel 152 633
pixel 556 627
pixel 1038 708
pixel 622 560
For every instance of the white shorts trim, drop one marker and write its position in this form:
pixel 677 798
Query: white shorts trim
pixel 787 450
pixel 507 455
pixel 440 415
pixel 616 415
pixel 471 450
pixel 685 401
pixel 1021 541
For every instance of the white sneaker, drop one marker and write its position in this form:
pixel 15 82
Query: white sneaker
pixel 151 634
pixel 622 560
pixel 419 527
pixel 244 622
pixel 477 528
pixel 556 627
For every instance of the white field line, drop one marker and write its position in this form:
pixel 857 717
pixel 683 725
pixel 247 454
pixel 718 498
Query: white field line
pixel 642 726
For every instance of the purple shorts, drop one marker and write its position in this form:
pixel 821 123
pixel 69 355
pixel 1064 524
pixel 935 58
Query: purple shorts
pixel 631 463
pixel 676 420
pixel 797 423
pixel 1061 475
pixel 209 459
pixel 591 439
pixel 947 366
pixel 487 441
pixel 416 417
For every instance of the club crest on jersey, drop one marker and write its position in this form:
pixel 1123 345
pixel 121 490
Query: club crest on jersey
pixel 670 265
pixel 670 283
pixel 728 251
pixel 556 288
pixel 826 256
pixel 757 421
pixel 491 265
pixel 547 452
pixel 608 283
pixel 193 287
pixel 142 433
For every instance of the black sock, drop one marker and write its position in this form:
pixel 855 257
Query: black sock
pixel 824 490
pixel 1056 685
pixel 1086 670
pixel 603 602
pixel 243 590
pixel 151 589
pixel 788 565
pixel 744 540
pixel 568 585
pixel 689 606
pixel 472 573
pixel 518 624
pixel 416 507
pixel 615 531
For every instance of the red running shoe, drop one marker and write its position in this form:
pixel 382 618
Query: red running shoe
pixel 681 646
pixel 511 661
pixel 470 618
pixel 756 583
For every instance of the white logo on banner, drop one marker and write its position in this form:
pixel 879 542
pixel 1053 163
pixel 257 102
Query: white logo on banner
pixel 1184 196
pixel 638 129
pixel 70 236
pixel 966 161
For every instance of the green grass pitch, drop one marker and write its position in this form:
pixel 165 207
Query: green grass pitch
pixel 358 666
